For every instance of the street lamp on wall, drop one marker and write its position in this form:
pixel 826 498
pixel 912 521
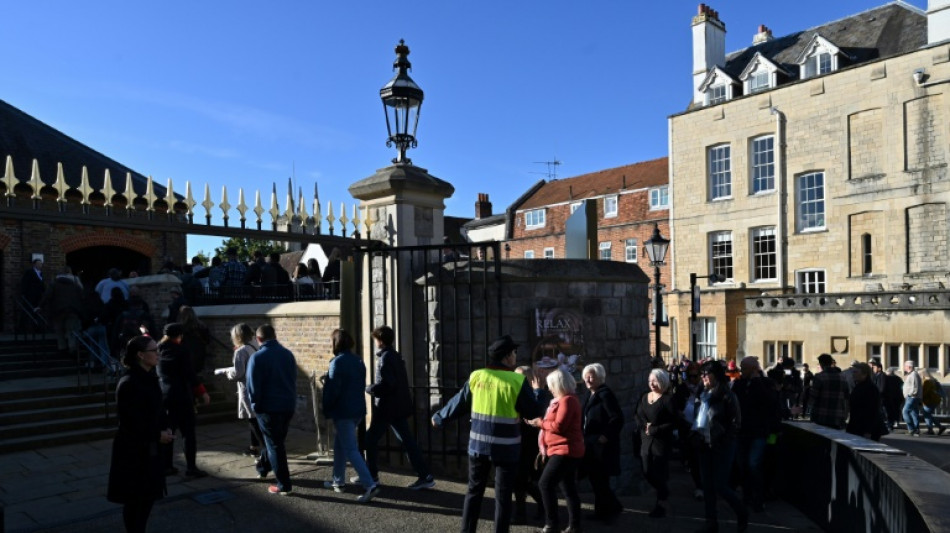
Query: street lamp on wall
pixel 657 246
pixel 402 103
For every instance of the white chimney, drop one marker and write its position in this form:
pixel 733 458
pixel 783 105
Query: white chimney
pixel 709 46
pixel 764 35
pixel 938 21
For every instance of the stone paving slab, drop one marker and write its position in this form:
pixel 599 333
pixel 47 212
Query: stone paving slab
pixel 75 501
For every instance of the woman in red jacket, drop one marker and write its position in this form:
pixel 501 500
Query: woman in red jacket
pixel 562 445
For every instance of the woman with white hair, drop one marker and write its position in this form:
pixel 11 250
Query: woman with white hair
pixel 562 445
pixel 602 422
pixel 657 419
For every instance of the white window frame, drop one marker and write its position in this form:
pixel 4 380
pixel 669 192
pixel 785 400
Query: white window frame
pixel 574 206
pixel 719 159
pixel 529 254
pixel 630 250
pixel 549 253
pixel 818 58
pixel 605 251
pixel 761 264
pixel 759 81
pixel 717 254
pixel 716 94
pixel 762 159
pixel 810 202
pixel 611 206
pixel 660 198
pixel 534 218
pixel 706 344
pixel 811 281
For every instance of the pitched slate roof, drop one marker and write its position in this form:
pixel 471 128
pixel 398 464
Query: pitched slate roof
pixel 636 176
pixel 25 138
pixel 892 29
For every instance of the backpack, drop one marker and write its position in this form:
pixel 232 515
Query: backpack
pixel 932 396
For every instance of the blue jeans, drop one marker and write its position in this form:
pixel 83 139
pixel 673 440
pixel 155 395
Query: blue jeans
pixel 274 428
pixel 751 451
pixel 928 413
pixel 346 449
pixel 479 467
pixel 378 428
pixel 715 465
pixel 911 405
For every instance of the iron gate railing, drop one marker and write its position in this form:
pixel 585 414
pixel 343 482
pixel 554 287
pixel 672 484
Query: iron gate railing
pixel 453 313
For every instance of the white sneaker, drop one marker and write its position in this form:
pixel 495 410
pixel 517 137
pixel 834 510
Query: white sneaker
pixel 369 494
pixel 334 486
pixel 356 479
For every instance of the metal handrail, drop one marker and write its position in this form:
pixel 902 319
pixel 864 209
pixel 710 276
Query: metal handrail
pixel 27 310
pixel 111 365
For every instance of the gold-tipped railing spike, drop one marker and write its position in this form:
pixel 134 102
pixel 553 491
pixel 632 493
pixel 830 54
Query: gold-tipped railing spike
pixel 207 204
pixel 129 193
pixel 170 197
pixel 9 178
pixel 224 205
pixel 150 195
pixel 330 217
pixel 84 186
pixel 289 213
pixel 343 220
pixel 60 184
pixel 35 180
pixel 317 221
pixel 302 209
pixel 107 189
pixel 355 220
pixel 242 207
pixel 258 208
pixel 190 202
pixel 367 221
pixel 274 210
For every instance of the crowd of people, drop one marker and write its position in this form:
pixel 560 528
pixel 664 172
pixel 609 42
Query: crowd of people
pixel 532 424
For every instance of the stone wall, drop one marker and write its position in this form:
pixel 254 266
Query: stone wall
pixel 610 297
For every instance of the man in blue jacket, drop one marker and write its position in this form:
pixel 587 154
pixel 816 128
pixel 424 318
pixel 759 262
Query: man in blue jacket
pixel 272 387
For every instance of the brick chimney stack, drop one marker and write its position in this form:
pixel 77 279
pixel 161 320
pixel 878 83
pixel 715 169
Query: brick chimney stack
pixel 764 35
pixel 709 46
pixel 482 206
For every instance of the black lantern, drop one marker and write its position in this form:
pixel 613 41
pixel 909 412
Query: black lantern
pixel 402 101
pixel 657 245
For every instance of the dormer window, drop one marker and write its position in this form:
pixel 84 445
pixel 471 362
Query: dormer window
pixel 759 82
pixel 718 87
pixel 760 74
pixel 716 95
pixel 820 57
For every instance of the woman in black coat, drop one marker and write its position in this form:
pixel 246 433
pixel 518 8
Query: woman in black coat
pixel 136 479
pixel 865 405
pixel 180 385
pixel 602 422
pixel 656 419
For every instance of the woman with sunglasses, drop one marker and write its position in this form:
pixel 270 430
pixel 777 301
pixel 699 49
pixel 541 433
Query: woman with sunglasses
pixel 713 437
pixel 136 477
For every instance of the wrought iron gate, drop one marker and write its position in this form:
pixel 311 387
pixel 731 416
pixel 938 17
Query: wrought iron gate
pixel 448 300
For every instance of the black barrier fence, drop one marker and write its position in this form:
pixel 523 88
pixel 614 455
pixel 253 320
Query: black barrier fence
pixel 846 483
pixel 451 296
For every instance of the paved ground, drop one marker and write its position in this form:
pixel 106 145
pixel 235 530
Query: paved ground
pixel 62 490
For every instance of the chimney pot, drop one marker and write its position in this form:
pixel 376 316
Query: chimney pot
pixel 702 9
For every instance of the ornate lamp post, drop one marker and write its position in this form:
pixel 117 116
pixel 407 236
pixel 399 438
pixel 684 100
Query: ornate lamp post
pixel 657 246
pixel 402 102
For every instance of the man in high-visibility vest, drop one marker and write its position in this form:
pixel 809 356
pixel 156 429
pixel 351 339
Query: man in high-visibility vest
pixel 497 398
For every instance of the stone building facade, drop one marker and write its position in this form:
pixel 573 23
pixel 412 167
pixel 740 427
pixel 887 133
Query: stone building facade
pixel 828 182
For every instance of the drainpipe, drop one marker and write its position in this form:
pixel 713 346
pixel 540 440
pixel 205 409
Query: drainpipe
pixel 781 240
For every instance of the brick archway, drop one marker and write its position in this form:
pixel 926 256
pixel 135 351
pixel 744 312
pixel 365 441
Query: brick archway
pixel 78 242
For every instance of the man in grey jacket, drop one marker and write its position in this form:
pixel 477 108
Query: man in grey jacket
pixel 913 392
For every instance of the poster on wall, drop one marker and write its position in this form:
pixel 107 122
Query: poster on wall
pixel 558 339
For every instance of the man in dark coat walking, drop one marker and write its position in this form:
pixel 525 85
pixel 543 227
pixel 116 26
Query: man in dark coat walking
pixel 392 407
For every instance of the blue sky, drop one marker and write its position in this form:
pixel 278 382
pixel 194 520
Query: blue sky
pixel 246 94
